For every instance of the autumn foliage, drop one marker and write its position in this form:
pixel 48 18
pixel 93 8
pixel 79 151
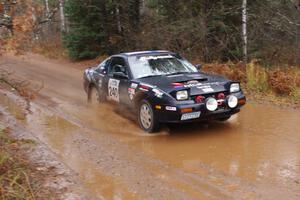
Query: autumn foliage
pixel 257 78
pixel 23 15
pixel 283 82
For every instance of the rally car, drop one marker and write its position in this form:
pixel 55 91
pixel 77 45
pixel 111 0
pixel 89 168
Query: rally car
pixel 163 87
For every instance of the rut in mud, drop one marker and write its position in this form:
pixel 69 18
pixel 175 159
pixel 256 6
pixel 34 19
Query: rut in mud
pixel 254 155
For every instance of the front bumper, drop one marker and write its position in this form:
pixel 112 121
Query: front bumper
pixel 167 116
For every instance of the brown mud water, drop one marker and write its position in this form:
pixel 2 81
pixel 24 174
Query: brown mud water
pixel 255 155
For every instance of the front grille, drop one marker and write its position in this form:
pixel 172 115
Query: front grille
pixel 214 95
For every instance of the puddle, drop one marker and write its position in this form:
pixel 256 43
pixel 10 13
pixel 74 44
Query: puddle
pixel 13 108
pixel 260 143
pixel 59 134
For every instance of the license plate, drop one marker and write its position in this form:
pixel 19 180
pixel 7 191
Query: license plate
pixel 188 116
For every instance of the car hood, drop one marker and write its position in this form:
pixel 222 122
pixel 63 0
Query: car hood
pixel 197 83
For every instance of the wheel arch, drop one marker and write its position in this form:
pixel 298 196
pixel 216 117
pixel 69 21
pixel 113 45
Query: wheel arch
pixel 139 97
pixel 89 88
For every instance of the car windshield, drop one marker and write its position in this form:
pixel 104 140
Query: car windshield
pixel 156 65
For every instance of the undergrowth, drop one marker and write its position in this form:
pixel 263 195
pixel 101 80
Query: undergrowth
pixel 279 81
pixel 15 181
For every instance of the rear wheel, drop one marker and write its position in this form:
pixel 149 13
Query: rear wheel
pixel 146 117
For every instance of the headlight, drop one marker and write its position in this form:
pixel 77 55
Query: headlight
pixel 182 95
pixel 232 101
pixel 211 104
pixel 235 87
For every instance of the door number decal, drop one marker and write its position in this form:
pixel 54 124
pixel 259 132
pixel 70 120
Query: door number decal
pixel 113 90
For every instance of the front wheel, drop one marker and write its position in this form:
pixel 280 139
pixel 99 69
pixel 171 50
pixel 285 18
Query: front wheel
pixel 95 96
pixel 146 117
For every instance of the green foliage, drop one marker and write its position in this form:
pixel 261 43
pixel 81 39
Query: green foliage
pixel 86 33
pixel 205 29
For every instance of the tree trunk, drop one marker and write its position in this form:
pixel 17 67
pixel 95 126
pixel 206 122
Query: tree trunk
pixel 119 26
pixel 244 31
pixel 47 7
pixel 143 7
pixel 62 16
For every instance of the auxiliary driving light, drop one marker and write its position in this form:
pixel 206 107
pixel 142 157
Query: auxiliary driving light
pixel 211 104
pixel 232 101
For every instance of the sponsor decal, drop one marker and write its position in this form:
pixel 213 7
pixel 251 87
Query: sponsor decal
pixel 145 87
pixel 113 90
pixel 195 82
pixel 145 58
pixel 178 85
pixel 193 85
pixel 171 108
pixel 206 89
pixel 134 85
pixel 158 93
pixel 203 84
pixel 131 92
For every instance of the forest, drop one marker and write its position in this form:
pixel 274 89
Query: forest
pixel 263 35
pixel 203 29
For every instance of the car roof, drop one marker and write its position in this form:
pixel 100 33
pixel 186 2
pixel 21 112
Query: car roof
pixel 139 53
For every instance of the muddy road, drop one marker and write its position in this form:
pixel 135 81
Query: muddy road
pixel 255 155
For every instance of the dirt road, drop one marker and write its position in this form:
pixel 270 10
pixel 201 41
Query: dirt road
pixel 256 155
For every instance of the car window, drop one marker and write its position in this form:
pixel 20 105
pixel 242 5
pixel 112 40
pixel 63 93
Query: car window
pixel 117 64
pixel 101 68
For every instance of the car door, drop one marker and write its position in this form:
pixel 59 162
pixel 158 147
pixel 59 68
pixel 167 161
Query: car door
pixel 99 73
pixel 117 87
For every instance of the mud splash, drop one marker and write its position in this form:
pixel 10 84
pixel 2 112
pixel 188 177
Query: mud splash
pixel 260 145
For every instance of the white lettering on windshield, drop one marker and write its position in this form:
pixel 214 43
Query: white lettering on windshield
pixel 144 58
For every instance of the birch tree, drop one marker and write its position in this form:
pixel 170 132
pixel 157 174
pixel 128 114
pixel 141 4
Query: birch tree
pixel 62 16
pixel 244 31
pixel 47 7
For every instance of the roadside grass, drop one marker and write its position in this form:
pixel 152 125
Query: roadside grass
pixel 276 82
pixel 296 93
pixel 15 181
pixel 257 78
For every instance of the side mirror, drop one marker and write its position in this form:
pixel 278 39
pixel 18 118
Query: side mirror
pixel 199 67
pixel 120 75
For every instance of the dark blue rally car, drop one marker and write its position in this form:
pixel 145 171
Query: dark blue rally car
pixel 163 87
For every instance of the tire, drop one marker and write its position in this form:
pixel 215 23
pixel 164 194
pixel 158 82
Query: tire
pixel 95 96
pixel 146 117
pixel 223 119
